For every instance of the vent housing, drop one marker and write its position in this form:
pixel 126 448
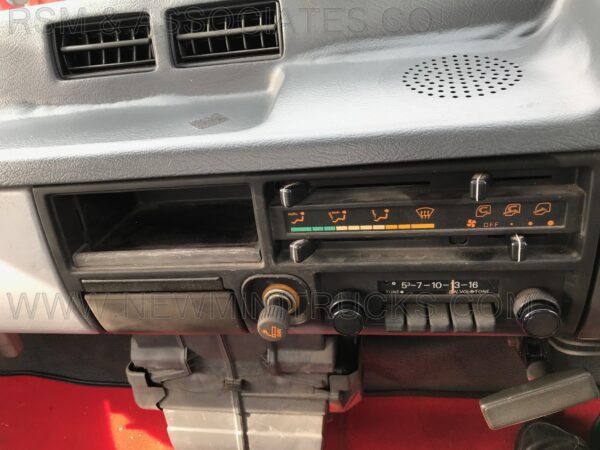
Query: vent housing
pixel 103 46
pixel 218 34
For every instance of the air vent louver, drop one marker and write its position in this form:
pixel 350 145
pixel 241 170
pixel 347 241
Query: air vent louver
pixel 201 35
pixel 103 46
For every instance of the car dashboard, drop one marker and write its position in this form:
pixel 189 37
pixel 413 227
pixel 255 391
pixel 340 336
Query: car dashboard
pixel 278 204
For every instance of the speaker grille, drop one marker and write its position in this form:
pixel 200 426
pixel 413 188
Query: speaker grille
pixel 462 76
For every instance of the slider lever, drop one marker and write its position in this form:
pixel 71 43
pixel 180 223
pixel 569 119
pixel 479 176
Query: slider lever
pixel 293 193
pixel 543 396
pixel 518 248
pixel 301 249
pixel 478 188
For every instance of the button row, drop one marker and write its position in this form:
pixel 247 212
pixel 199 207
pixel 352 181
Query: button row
pixel 441 318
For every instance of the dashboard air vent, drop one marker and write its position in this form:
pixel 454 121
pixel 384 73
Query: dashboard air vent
pixel 201 35
pixel 103 46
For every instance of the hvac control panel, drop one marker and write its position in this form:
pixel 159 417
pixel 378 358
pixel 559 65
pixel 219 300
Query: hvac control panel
pixel 431 216
pixel 398 211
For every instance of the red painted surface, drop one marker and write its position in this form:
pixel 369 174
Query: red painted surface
pixel 42 414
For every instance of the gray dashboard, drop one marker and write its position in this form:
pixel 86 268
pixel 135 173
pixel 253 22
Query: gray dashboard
pixel 335 98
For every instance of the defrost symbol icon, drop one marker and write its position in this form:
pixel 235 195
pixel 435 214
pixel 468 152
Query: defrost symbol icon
pixel 425 212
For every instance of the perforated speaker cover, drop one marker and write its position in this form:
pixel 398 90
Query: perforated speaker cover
pixel 462 76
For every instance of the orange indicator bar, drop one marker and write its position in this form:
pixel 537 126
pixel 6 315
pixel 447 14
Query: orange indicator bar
pixel 391 227
pixel 404 226
pixel 422 226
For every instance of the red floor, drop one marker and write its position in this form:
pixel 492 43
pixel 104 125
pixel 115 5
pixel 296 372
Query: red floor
pixel 37 413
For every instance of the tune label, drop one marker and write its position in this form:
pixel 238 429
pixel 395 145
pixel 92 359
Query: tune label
pixel 438 287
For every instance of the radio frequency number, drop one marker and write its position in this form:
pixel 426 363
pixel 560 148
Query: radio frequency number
pixel 437 284
pixel 439 287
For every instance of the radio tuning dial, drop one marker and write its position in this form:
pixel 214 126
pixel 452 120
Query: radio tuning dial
pixel 537 312
pixel 347 313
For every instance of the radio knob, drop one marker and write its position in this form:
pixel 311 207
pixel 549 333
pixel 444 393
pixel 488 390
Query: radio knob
pixel 347 313
pixel 537 312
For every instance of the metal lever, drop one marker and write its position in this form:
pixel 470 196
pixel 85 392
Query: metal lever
pixel 543 396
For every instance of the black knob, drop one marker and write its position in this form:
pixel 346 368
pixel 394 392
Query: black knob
pixel 347 313
pixel 537 312
pixel 273 322
pixel 280 300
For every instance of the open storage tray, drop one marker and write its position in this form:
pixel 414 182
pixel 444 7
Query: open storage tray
pixel 160 227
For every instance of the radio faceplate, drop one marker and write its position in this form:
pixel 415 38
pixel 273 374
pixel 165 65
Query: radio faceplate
pixel 455 295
